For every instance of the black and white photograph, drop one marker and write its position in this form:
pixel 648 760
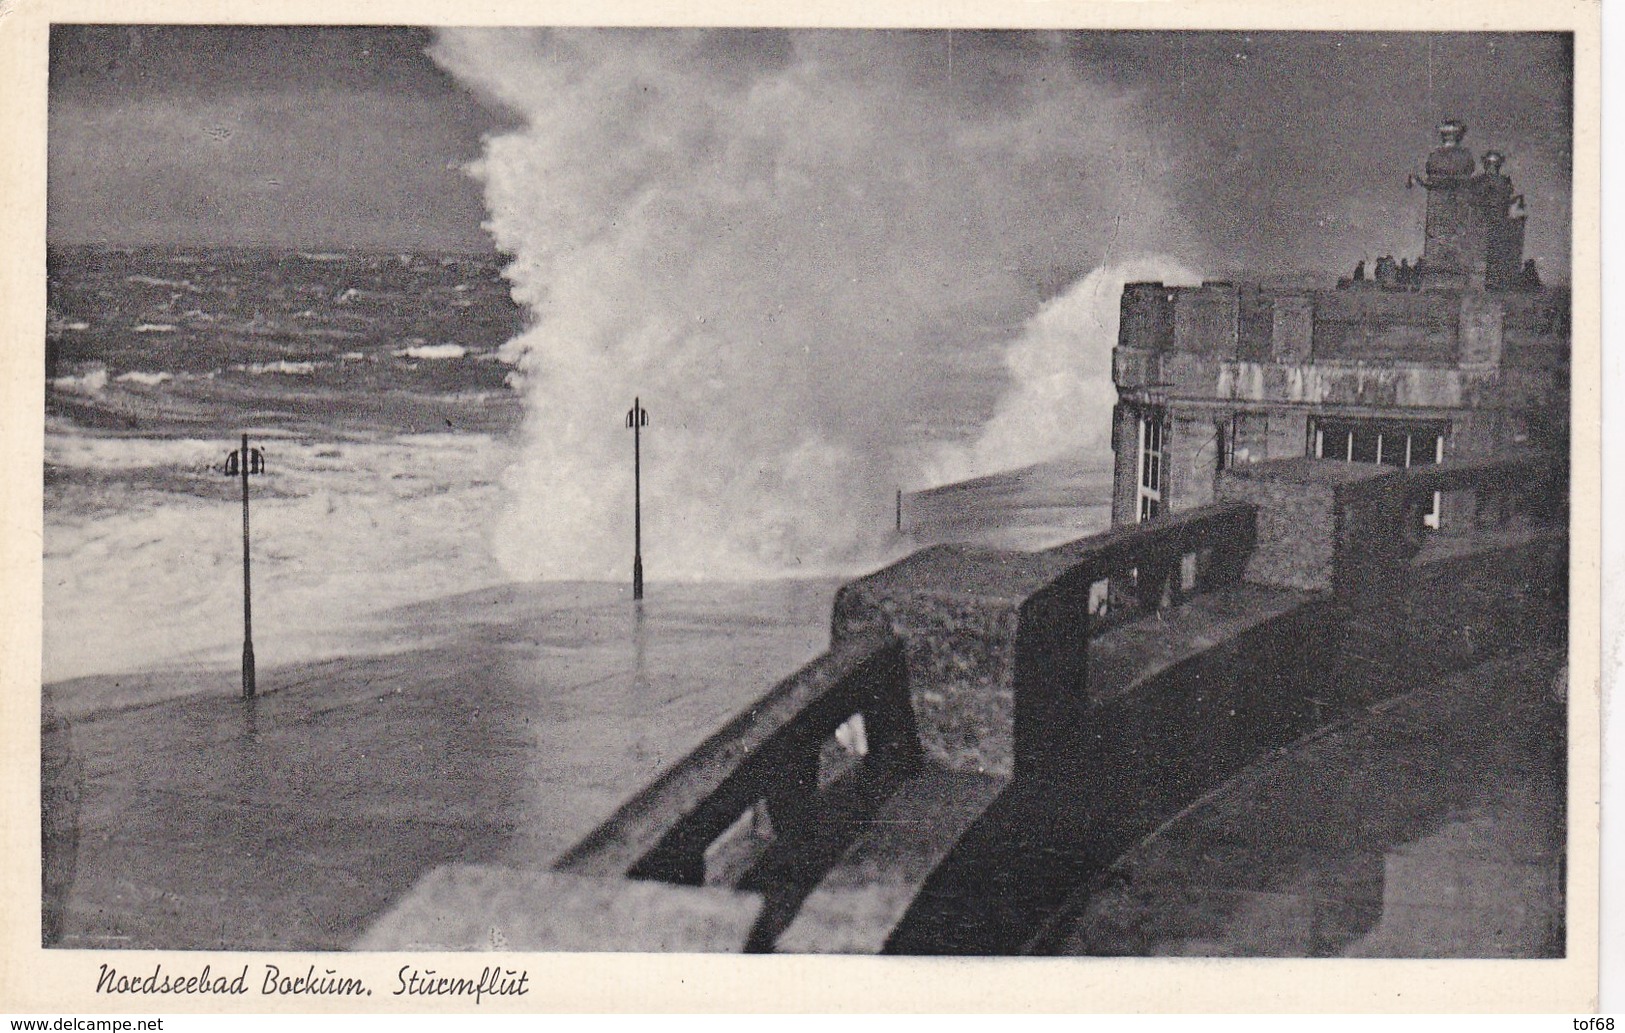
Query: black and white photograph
pixel 1083 493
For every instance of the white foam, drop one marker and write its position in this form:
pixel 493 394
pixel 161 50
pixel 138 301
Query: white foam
pixel 282 366
pixel 78 450
pixel 156 281
pixel 338 532
pixel 154 328
pixel 1060 397
pixel 449 350
pixel 145 379
pixel 90 383
pixel 773 261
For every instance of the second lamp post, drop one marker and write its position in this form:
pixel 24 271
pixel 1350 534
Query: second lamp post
pixel 637 418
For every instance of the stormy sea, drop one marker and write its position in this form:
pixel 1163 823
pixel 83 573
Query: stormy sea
pixel 393 423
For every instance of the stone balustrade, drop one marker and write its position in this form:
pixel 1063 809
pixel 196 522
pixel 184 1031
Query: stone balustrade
pixel 1071 700
pixel 767 757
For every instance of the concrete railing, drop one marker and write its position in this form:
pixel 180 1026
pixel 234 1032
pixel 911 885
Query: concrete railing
pixel 1494 579
pixel 1524 489
pixel 767 758
pixel 997 640
pixel 1225 631
pixel 1138 569
pixel 1408 604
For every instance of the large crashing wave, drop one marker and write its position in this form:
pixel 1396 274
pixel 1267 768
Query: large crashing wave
pixel 1061 391
pixel 763 234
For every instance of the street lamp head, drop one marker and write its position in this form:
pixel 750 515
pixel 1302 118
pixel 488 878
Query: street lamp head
pixel 234 462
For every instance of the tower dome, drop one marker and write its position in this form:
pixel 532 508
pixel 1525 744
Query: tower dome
pixel 1450 160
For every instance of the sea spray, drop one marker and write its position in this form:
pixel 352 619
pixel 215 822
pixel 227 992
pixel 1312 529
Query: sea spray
pixel 1060 396
pixel 142 561
pixel 765 235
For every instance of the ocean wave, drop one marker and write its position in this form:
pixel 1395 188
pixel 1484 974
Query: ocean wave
pixel 76 450
pixel 448 350
pixel 155 328
pixel 90 383
pixel 146 379
pixel 342 530
pixel 283 366
pixel 158 281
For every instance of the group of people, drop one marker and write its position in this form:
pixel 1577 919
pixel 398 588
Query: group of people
pixel 1390 273
pixel 1404 273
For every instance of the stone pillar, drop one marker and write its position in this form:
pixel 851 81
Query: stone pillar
pixel 1207 321
pixel 996 645
pixel 1343 529
pixel 1146 316
pixel 1317 520
pixel 1288 435
pixel 1192 449
pixel 1294 328
pixel 1482 320
pixel 1125 472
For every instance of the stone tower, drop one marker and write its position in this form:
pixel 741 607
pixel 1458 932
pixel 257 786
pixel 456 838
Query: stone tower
pixel 1474 229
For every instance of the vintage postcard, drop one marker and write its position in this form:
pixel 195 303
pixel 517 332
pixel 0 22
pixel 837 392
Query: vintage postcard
pixel 968 507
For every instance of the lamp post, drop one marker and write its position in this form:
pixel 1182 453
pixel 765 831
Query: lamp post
pixel 637 418
pixel 240 463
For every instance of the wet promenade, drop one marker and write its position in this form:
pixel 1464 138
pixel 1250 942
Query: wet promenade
pixel 497 728
pixel 1431 825
pixel 494 727
pixel 292 821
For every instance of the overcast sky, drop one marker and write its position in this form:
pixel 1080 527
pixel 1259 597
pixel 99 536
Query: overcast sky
pixel 1283 152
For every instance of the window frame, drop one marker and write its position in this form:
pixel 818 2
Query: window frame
pixel 1326 429
pixel 1150 463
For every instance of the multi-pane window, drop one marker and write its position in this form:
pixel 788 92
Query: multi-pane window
pixel 1152 460
pixel 1384 441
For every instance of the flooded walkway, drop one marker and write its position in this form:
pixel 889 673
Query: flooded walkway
pixel 524 717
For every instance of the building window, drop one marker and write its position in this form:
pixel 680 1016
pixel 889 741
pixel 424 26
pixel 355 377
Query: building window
pixel 1387 442
pixel 1151 462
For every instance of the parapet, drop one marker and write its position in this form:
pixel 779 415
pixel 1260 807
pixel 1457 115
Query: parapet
pixel 1250 323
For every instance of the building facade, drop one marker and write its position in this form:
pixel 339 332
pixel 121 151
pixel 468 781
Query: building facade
pixel 1462 354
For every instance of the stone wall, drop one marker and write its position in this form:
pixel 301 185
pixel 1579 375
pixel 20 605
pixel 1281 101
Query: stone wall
pixel 1311 516
pixel 1192 447
pixel 1472 599
pixel 992 639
